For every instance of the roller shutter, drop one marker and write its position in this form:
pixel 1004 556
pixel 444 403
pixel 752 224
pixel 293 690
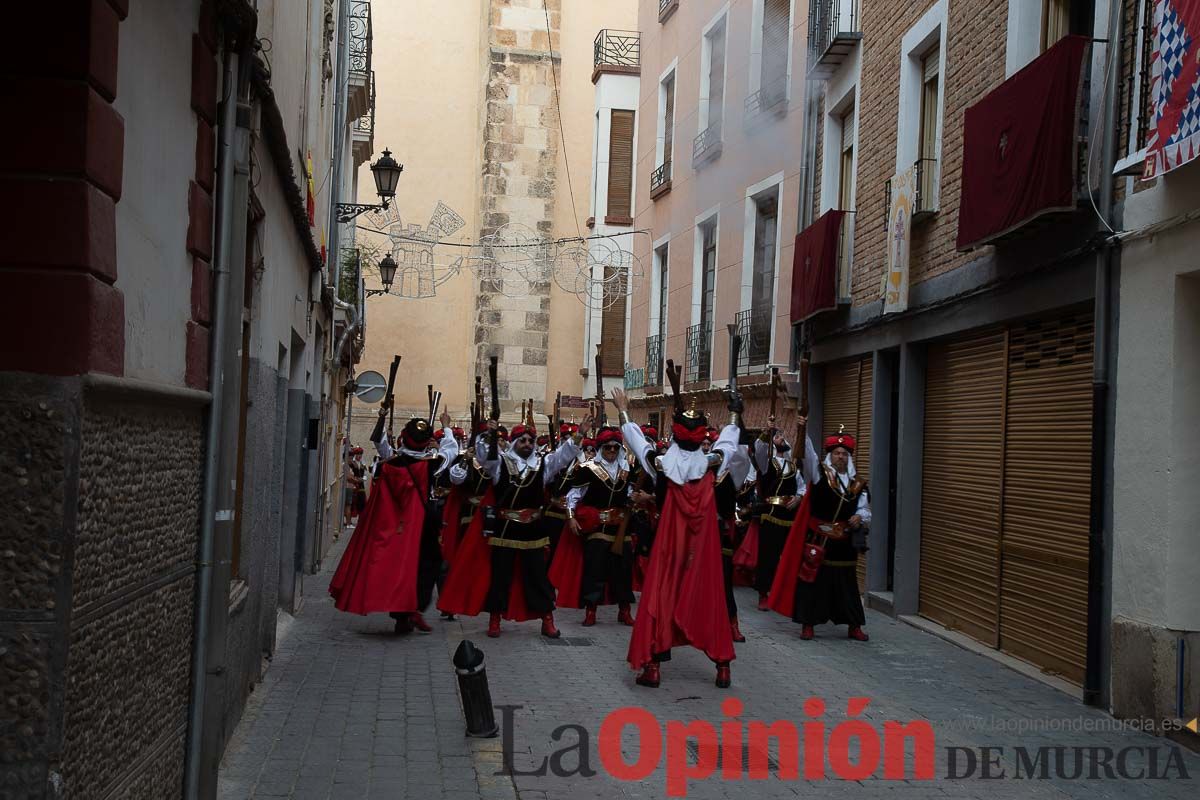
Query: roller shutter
pixel 1047 473
pixel 1005 497
pixel 620 166
pixel 960 495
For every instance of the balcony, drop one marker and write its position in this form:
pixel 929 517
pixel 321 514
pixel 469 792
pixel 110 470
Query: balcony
pixel 617 53
pixel 660 181
pixel 654 362
pixel 358 97
pixel 363 132
pixel 768 103
pixel 699 354
pixel 754 326
pixel 707 146
pixel 666 8
pixel 925 176
pixel 833 33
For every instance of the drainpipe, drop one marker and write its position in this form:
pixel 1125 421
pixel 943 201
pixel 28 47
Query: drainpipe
pixel 1096 672
pixel 226 309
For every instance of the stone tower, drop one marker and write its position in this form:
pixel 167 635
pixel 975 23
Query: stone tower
pixel 519 182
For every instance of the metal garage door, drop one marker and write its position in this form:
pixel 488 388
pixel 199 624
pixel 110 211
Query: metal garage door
pixel 848 386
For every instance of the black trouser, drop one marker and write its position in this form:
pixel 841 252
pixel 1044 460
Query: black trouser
pixel 429 568
pixel 730 600
pixel 539 594
pixel 553 528
pixel 771 539
pixel 602 568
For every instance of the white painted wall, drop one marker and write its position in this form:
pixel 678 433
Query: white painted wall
pixel 154 271
pixel 1156 508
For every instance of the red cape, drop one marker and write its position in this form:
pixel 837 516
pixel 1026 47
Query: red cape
pixel 745 558
pixel 451 523
pixel 378 571
pixel 783 590
pixel 683 599
pixel 566 570
pixel 470 576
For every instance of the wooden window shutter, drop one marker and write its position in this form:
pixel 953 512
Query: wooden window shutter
pixel 620 167
pixel 612 331
pixel 669 119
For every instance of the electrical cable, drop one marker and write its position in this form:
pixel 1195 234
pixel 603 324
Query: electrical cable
pixel 558 106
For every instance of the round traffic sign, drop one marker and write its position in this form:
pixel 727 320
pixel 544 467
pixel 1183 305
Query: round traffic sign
pixel 370 387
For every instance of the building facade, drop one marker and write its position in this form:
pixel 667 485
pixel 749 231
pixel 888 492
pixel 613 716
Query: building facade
pixel 989 315
pixel 166 484
pixel 718 181
pixel 492 117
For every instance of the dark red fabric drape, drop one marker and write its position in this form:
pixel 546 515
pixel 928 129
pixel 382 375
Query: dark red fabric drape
pixel 814 266
pixel 1019 146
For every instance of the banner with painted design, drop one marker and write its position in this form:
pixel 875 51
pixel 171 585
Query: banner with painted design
pixel 895 287
pixel 1174 137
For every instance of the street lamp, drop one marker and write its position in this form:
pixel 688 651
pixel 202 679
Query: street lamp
pixel 387 274
pixel 386 172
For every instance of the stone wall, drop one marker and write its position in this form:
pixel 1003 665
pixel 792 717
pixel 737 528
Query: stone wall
pixel 519 184
pixel 97 558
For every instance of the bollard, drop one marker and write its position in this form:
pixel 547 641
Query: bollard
pixel 473 686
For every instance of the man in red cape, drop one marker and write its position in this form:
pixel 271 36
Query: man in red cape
pixel 816 581
pixel 393 558
pixel 683 595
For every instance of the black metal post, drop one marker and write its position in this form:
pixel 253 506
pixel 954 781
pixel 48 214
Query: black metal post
pixel 476 696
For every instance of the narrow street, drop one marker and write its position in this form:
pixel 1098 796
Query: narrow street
pixel 347 710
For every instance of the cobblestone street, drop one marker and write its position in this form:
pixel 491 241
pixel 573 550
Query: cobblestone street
pixel 347 710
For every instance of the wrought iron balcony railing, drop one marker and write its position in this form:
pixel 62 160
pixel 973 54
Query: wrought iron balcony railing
pixel 618 49
pixel 660 180
pixel 360 36
pixel 834 29
pixel 925 176
pixel 699 353
pixel 707 146
pixel 754 326
pixel 365 124
pixel 666 8
pixel 770 100
pixel 654 360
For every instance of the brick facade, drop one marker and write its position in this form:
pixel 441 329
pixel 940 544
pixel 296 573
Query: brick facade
pixel 975 51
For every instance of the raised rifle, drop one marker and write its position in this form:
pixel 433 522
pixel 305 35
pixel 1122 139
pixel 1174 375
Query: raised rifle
pixel 494 444
pixel 377 433
pixel 601 417
pixel 390 397
pixel 735 346
pixel 674 374
pixel 774 389
pixel 802 409
pixel 554 422
pixel 434 404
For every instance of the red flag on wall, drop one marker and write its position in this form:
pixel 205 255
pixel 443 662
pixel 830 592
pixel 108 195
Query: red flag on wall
pixel 1019 146
pixel 814 266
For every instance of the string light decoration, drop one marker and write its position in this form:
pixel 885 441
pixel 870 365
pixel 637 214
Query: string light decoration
pixel 514 260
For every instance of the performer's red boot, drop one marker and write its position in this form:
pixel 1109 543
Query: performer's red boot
pixel 737 633
pixel 589 617
pixel 494 626
pixel 650 676
pixel 723 677
pixel 419 622
pixel 858 634
pixel 806 632
pixel 762 603
pixel 548 629
pixel 624 616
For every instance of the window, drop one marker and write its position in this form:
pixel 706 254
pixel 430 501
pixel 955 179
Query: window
pixel 708 273
pixel 919 133
pixel 663 272
pixel 1056 21
pixel 612 328
pixel 762 292
pixel 846 202
pixel 620 169
pixel 927 136
pixel 660 179
pixel 776 27
pixel 712 101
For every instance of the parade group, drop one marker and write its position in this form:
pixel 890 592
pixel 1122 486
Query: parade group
pixel 517 522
